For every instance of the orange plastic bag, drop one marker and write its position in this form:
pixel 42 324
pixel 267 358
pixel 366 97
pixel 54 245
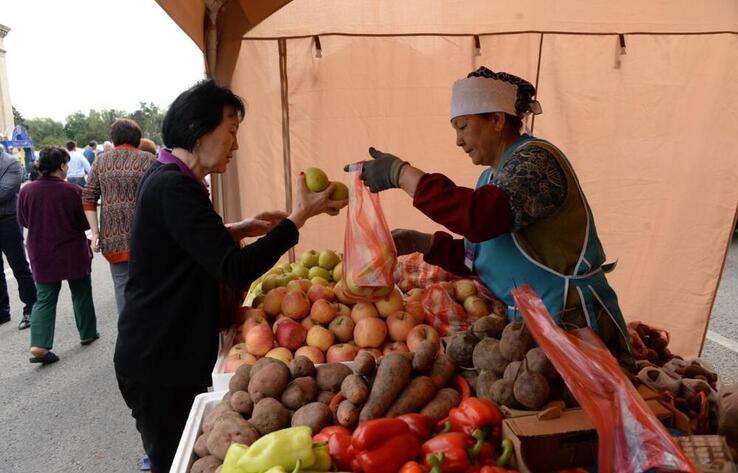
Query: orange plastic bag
pixel 442 312
pixel 412 271
pixel 631 438
pixel 369 253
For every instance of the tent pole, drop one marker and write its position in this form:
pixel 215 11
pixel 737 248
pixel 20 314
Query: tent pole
pixel 538 75
pixel 286 156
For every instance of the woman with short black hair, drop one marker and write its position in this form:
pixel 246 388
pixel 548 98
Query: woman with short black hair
pixel 51 210
pixel 180 253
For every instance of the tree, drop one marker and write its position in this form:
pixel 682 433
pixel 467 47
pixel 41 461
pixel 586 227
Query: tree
pixel 45 132
pixel 18 118
pixel 149 117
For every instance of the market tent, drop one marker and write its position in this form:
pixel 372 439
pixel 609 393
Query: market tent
pixel 641 96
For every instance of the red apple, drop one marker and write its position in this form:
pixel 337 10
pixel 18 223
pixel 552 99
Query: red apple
pixel 280 353
pixel 320 337
pixel 343 328
pixel 259 340
pixel 419 333
pixel 370 332
pixel 340 352
pixel 449 287
pixel 476 307
pixel 399 325
pixel 307 322
pixel 372 351
pixel 295 305
pixel 414 294
pixel 290 334
pixel 390 304
pixel 273 300
pixel 464 288
pixel 232 362
pixel 315 355
pixel 394 347
pixel 252 322
pixel 237 349
pixel 343 309
pixel 318 291
pixel 363 310
pixel 323 311
pixel 415 308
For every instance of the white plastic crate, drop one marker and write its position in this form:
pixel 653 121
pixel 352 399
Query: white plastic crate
pixel 220 378
pixel 185 457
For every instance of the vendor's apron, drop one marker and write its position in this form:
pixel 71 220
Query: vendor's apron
pixel 502 263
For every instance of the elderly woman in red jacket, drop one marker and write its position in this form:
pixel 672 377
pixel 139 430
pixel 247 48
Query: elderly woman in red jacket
pixel 51 210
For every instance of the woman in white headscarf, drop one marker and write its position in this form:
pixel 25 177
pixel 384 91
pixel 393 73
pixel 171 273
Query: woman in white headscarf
pixel 527 219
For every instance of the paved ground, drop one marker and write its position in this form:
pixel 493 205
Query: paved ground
pixel 69 417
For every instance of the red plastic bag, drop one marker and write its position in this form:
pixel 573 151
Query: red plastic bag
pixel 412 271
pixel 442 312
pixel 368 249
pixel 631 438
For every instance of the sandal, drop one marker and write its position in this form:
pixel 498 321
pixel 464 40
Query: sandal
pixel 47 359
pixel 87 341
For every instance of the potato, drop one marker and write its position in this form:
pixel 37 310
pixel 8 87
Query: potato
pixel 425 355
pixel 485 380
pixel 355 389
pixel 315 415
pixel 330 376
pixel 515 341
pixel 325 397
pixel 261 363
pixel 302 366
pixel 531 389
pixel 393 374
pixel 270 415
pixel 443 369
pixel 461 347
pixel 201 445
pixel 270 380
pixel 537 361
pixel 481 356
pixel 489 326
pixel 347 414
pixel 512 370
pixel 502 393
pixel 227 431
pixel 221 410
pixel 241 402
pixel 365 363
pixel 299 392
pixel 207 464
pixel 240 379
pixel 416 395
pixel 443 401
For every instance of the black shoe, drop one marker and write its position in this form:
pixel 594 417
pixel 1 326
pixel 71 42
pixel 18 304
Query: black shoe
pixel 47 359
pixel 25 322
pixel 87 341
pixel 4 319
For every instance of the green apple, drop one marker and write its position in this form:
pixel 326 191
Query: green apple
pixel 328 259
pixel 286 267
pixel 319 280
pixel 340 192
pixel 284 279
pixel 269 282
pixel 299 270
pixel 309 259
pixel 318 272
pixel 316 179
pixel 338 271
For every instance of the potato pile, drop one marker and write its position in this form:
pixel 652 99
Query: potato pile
pixel 266 397
pixel 504 365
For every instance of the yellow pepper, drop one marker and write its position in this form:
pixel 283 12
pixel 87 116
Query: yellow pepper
pixel 322 457
pixel 283 448
pixel 234 453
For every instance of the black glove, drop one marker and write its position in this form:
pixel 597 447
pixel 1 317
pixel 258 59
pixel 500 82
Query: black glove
pixel 383 172
pixel 410 241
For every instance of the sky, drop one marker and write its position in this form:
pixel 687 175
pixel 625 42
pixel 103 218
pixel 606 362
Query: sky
pixel 65 56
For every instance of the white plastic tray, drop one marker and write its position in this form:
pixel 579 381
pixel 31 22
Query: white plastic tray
pixel 185 457
pixel 221 379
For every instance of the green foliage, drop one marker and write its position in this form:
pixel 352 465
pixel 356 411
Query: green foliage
pixel 149 117
pixel 18 118
pixel 46 132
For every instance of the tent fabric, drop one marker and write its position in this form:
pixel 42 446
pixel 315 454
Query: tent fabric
pixel 650 133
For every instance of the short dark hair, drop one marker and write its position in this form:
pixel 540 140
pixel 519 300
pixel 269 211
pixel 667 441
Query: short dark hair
pixel 71 145
pixel 196 112
pixel 51 159
pixel 125 131
pixel 92 144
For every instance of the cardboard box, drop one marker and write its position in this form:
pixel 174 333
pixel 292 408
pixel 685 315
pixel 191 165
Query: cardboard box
pixel 555 444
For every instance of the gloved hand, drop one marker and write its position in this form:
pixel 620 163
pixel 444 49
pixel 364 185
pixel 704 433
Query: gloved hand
pixel 410 241
pixel 383 172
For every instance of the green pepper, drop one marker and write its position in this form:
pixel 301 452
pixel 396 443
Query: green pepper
pixel 281 448
pixel 322 457
pixel 234 453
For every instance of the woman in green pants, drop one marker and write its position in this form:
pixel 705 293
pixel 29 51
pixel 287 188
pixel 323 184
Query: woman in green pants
pixel 51 210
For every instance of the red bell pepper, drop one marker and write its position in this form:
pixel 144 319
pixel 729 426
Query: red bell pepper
pixel 340 448
pixel 448 450
pixel 496 469
pixel 413 467
pixel 462 385
pixel 474 413
pixel 421 426
pixel 327 432
pixel 384 445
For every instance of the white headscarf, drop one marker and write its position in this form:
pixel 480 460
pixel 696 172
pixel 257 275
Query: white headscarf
pixel 474 95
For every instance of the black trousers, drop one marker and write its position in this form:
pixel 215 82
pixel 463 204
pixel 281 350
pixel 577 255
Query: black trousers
pixel 11 244
pixel 161 415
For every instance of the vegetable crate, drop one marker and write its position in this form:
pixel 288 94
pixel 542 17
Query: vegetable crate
pixel 219 376
pixel 203 404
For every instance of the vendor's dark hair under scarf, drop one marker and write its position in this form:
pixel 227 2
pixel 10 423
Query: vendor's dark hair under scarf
pixel 526 91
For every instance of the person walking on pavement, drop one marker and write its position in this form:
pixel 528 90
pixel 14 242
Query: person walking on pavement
pixel 90 152
pixel 51 210
pixel 114 178
pixel 11 242
pixel 78 165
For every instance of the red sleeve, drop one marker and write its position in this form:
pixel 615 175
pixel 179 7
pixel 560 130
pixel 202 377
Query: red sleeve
pixel 478 215
pixel 447 253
